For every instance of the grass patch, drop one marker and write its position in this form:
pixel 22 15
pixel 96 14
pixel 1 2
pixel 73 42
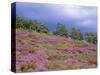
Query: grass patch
pixel 82 58
pixel 27 67
pixel 61 46
pixel 24 68
pixel 57 57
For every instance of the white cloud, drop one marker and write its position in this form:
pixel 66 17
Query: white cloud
pixel 79 12
pixel 84 16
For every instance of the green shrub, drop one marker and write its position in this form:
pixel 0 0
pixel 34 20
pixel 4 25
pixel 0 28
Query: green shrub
pixel 83 43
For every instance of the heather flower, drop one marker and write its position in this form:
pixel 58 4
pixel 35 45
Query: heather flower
pixel 40 52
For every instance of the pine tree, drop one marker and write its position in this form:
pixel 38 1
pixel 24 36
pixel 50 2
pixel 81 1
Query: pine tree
pixel 73 32
pixel 89 37
pixel 61 30
pixel 79 35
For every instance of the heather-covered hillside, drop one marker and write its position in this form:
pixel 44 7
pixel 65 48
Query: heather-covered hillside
pixel 42 52
pixel 58 37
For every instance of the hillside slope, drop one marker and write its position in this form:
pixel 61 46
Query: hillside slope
pixel 42 52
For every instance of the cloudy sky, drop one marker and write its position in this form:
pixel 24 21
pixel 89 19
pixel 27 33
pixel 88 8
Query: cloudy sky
pixel 83 17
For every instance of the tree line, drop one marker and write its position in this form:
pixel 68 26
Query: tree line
pixel 60 30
